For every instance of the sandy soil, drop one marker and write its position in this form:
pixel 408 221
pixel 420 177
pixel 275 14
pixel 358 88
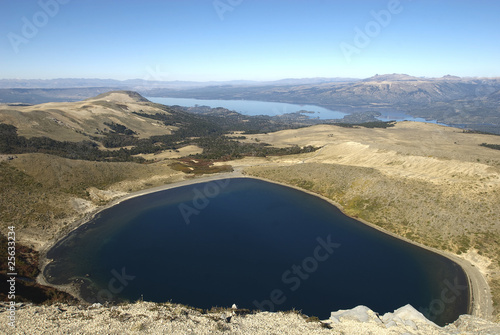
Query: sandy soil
pixel 410 149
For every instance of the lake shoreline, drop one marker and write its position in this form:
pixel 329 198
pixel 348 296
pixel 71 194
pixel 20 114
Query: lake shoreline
pixel 478 300
pixel 325 112
pixel 74 289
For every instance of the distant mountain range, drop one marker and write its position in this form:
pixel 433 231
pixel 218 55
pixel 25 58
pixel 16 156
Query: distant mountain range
pixel 467 102
pixel 144 84
pixel 179 84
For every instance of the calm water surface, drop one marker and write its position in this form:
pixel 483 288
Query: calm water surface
pixel 249 107
pixel 258 245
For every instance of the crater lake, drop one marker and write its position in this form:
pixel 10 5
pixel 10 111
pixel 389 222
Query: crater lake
pixel 256 244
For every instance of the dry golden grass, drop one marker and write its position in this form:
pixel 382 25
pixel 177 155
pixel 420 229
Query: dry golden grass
pixel 75 121
pixel 40 194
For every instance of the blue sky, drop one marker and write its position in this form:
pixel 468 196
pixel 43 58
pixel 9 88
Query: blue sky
pixel 205 40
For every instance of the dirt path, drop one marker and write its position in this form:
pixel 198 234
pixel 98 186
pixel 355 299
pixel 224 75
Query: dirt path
pixel 481 299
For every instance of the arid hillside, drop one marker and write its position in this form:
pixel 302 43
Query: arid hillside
pixel 77 121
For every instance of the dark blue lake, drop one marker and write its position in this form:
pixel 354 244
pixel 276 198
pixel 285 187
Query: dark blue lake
pixel 258 245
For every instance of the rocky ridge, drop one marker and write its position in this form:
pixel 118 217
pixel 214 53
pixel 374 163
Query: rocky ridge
pixel 168 318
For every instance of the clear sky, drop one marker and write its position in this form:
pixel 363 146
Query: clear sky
pixel 205 40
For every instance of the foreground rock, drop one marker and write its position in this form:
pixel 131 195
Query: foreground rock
pixel 152 318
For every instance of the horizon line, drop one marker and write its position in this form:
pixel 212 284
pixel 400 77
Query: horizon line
pixel 243 80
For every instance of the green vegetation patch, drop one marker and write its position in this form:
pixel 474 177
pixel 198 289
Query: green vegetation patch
pixel 224 148
pixel 120 129
pixel 491 146
pixel 372 124
pixel 191 166
pixel 12 143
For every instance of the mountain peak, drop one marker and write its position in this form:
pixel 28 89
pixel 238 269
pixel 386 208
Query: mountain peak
pixel 391 77
pixel 450 77
pixel 121 96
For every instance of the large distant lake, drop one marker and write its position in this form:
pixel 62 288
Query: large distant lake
pixel 250 107
pixel 255 244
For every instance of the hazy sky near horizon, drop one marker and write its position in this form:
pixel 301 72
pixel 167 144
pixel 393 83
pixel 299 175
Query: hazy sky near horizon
pixel 205 40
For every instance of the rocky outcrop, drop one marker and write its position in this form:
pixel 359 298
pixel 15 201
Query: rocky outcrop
pixel 407 318
pixel 168 318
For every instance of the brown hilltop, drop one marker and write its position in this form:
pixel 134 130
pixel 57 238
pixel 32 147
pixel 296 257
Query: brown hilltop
pixel 77 121
pixel 120 96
